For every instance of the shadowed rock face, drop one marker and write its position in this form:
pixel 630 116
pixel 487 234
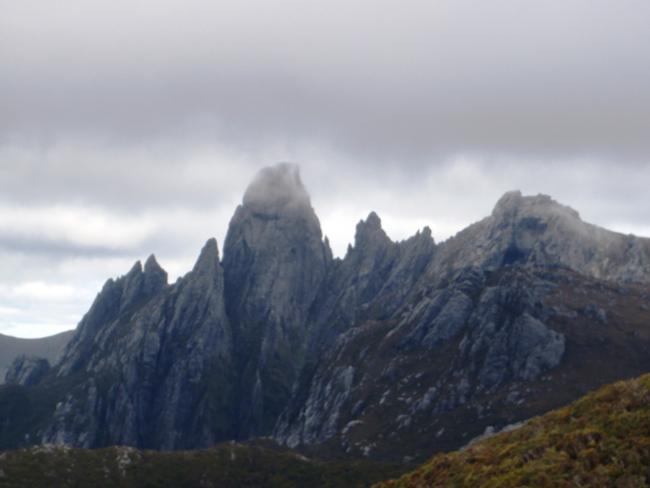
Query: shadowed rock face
pixel 27 370
pixel 398 349
pixel 275 262
pixel 159 373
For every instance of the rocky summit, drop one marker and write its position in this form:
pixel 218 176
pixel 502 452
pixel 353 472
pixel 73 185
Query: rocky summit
pixel 393 352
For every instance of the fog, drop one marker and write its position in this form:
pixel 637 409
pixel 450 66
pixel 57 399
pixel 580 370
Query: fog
pixel 278 186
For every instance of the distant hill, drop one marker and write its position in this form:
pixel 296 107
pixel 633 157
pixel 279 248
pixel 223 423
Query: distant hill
pixel 46 347
pixel 601 440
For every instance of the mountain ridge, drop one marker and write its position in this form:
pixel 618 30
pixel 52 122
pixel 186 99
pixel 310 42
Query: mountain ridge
pixel 355 355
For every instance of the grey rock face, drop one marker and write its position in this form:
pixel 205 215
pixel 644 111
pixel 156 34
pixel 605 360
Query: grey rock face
pixel 443 313
pixel 492 336
pixel 321 418
pixel 375 278
pixel 282 339
pixel 538 231
pixel 509 347
pixel 27 370
pixel 596 313
pixel 275 262
pixel 160 376
pixel 117 299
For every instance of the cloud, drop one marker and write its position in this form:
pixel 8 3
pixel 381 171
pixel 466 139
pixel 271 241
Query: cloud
pixel 46 291
pixel 93 172
pixel 57 229
pixel 135 127
pixel 276 188
pixel 377 79
pixel 38 308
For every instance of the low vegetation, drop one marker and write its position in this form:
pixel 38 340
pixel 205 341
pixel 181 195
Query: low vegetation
pixel 227 465
pixel 601 440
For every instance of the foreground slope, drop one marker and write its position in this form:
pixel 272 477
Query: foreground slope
pixel 602 439
pixel 225 466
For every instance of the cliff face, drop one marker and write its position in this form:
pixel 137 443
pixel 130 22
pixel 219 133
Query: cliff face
pixel 398 349
pixel 275 262
pixel 486 329
pixel 151 365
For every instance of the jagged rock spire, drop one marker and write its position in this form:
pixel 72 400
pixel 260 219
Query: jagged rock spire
pixel 155 278
pixel 275 261
pixel 370 235
pixel 283 327
pixel 208 259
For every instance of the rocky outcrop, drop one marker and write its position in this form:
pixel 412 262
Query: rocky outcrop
pixel 396 348
pixel 117 300
pixel 27 370
pixel 275 262
pixel 483 330
pixel 538 231
pixel 494 336
pixel 507 340
pixel 160 375
pixel 374 278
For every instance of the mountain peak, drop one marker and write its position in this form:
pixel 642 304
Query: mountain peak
pixel 209 255
pixel 276 188
pixel 508 200
pixel 136 270
pixel 373 221
pixel 151 264
pixel 369 231
pixel 155 278
pixel 513 203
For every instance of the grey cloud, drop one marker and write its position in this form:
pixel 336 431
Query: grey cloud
pixel 277 186
pixel 56 249
pixel 123 178
pixel 380 80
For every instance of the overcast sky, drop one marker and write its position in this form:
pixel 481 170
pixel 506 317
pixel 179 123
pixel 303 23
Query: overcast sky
pixel 133 127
